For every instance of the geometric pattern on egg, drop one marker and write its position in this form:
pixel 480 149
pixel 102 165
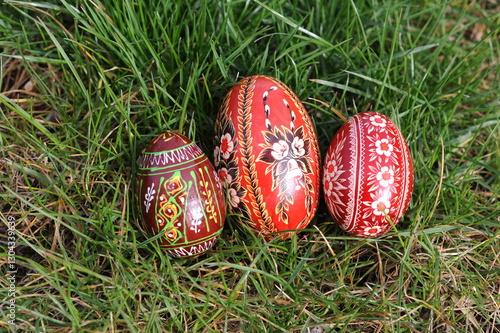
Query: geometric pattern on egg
pixel 179 193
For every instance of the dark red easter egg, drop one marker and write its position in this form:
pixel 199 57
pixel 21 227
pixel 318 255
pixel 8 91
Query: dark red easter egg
pixel 368 175
pixel 267 156
pixel 179 192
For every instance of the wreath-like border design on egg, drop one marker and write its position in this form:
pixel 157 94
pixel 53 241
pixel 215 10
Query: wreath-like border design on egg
pixel 226 163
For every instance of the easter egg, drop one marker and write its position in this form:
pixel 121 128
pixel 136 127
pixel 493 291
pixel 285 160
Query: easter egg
pixel 267 156
pixel 368 175
pixel 179 193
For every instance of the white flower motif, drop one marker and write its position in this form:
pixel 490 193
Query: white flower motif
pixel 385 176
pixel 381 206
pixel 378 121
pixel 217 156
pixel 234 199
pixel 332 184
pixel 225 177
pixel 280 150
pixel 384 147
pixel 149 196
pixel 372 231
pixel 298 146
pixel 226 145
pixel 328 187
pixel 332 171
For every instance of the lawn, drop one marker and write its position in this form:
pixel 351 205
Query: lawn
pixel 86 85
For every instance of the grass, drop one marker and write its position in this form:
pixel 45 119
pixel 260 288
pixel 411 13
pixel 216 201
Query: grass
pixel 86 85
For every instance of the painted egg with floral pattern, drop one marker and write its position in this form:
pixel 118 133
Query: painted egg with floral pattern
pixel 179 193
pixel 368 175
pixel 267 156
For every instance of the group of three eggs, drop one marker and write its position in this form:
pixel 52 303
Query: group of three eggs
pixel 267 170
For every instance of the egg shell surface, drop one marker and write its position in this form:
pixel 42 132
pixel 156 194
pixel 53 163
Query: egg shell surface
pixel 267 156
pixel 179 192
pixel 368 175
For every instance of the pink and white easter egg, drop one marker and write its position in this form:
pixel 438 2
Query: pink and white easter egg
pixel 267 156
pixel 179 193
pixel 368 175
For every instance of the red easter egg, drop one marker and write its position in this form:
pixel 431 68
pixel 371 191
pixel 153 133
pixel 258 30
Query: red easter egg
pixel 368 175
pixel 179 192
pixel 267 156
